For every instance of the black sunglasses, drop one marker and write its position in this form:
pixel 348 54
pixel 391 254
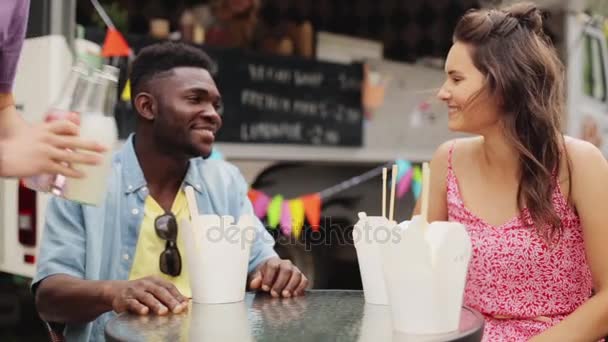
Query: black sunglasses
pixel 170 260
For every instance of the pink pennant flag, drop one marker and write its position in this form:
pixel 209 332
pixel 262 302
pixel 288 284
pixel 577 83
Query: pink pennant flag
pixel 404 184
pixel 260 206
pixel 286 223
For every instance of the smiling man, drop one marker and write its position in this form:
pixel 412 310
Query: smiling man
pixel 125 255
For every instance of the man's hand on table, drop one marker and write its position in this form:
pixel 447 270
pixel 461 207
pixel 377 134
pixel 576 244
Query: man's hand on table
pixel 279 277
pixel 146 295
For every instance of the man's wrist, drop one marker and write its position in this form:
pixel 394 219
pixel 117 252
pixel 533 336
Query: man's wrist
pixel 108 292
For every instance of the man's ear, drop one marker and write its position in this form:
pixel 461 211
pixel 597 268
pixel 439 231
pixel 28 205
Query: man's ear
pixel 145 105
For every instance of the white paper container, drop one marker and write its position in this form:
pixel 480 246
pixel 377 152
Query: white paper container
pixel 217 257
pixel 451 254
pixel 425 274
pixel 370 234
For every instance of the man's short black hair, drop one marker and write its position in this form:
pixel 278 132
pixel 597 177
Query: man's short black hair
pixel 159 58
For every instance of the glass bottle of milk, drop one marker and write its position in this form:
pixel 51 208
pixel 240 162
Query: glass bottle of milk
pixel 97 123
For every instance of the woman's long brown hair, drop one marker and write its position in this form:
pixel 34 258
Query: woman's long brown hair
pixel 524 72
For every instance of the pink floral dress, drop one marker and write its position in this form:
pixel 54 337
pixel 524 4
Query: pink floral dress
pixel 514 273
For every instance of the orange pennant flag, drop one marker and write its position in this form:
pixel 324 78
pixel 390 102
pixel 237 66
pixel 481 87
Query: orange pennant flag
pixel 253 195
pixel 312 209
pixel 115 44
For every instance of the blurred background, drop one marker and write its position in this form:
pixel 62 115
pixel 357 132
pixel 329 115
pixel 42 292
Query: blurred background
pixel 318 96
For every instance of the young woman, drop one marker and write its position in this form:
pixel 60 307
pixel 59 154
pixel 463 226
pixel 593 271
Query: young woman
pixel 533 200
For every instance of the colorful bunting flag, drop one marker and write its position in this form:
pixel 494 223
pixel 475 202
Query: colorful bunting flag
pixel 296 207
pixel 253 195
pixel 403 186
pixel 115 44
pixel 403 166
pixel 286 219
pixel 260 206
pixel 312 209
pixel 417 177
pixel 290 214
pixel 416 189
pixel 126 92
pixel 417 181
pixel 274 211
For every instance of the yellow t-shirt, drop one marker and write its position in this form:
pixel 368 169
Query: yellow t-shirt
pixel 150 246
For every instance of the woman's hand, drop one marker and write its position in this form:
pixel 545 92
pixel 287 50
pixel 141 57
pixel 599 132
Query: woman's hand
pixel 43 148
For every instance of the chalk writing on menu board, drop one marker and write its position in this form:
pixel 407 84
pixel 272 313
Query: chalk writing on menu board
pixel 274 99
pixel 270 99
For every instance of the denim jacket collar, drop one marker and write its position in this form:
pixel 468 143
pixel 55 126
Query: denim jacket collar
pixel 133 176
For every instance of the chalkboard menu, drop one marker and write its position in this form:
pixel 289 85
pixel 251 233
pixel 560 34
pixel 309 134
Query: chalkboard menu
pixel 274 99
pixel 288 100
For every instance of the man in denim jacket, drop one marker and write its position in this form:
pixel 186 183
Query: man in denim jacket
pixel 89 254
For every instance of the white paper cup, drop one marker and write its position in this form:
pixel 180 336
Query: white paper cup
pixel 369 234
pixel 217 257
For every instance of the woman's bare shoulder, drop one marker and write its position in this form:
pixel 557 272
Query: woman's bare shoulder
pixel 577 146
pixel 582 155
pixel 462 150
pixel 463 145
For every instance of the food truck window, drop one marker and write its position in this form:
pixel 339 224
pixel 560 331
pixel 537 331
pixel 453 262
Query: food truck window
pixel 594 70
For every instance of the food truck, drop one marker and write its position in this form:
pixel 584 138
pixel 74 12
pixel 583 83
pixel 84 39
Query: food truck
pixel 406 109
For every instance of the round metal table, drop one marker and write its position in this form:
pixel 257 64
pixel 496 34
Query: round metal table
pixel 321 315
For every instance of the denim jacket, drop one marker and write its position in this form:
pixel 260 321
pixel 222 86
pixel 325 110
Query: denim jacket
pixel 98 243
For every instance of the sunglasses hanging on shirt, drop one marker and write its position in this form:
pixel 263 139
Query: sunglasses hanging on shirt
pixel 170 261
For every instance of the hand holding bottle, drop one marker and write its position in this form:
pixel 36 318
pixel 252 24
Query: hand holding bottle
pixel 44 148
pixel 79 125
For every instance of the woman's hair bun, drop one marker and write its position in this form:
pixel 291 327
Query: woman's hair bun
pixel 528 15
